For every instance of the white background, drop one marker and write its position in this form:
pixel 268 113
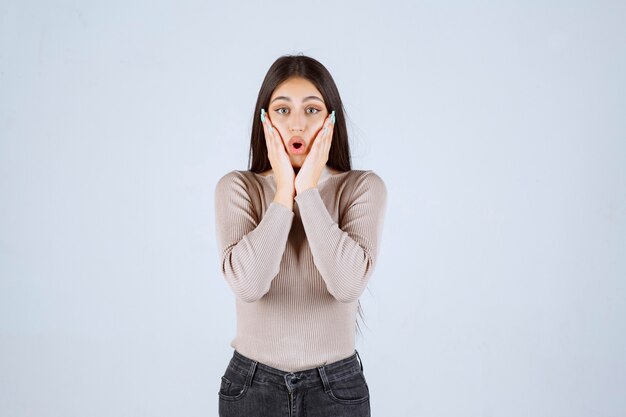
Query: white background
pixel 499 130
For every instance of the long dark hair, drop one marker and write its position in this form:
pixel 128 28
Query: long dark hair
pixel 282 69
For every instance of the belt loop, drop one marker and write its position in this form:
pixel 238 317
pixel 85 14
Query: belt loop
pixel 360 361
pixel 322 372
pixel 251 372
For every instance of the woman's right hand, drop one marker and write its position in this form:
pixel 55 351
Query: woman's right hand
pixel 283 172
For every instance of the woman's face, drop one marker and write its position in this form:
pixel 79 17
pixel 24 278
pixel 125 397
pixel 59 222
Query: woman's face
pixel 297 110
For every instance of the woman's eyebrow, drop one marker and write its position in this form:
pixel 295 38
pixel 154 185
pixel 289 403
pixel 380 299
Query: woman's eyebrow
pixel 303 100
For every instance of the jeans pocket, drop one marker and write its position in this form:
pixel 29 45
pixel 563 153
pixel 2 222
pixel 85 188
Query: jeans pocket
pixel 233 385
pixel 351 389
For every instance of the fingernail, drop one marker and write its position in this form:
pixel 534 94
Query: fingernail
pixel 332 117
pixel 263 115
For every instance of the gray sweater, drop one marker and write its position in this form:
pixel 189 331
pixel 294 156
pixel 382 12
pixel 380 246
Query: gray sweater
pixel 297 275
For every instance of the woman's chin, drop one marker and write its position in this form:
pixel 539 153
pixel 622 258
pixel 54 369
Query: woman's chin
pixel 297 161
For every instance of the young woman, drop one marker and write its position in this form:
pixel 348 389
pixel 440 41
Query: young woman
pixel 298 235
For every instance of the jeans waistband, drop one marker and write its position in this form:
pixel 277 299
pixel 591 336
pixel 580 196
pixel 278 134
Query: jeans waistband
pixel 258 371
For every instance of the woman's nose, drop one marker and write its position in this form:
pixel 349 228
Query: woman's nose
pixel 296 124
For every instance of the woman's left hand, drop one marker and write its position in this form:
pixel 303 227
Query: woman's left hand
pixel 313 165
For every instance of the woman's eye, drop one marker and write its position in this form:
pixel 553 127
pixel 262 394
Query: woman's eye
pixel 279 110
pixel 313 108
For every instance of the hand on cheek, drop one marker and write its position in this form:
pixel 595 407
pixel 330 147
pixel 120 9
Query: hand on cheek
pixel 279 159
pixel 313 165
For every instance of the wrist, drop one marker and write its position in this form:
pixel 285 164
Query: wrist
pixel 285 197
pixel 285 190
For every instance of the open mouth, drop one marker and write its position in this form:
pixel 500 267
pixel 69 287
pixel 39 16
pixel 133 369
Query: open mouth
pixel 296 145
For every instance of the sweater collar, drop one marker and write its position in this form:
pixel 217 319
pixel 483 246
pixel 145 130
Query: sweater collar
pixel 323 176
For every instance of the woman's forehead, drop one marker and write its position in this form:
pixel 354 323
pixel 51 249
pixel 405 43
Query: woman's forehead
pixel 296 89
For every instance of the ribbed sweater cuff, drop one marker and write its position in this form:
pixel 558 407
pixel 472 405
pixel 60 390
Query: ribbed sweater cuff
pixel 313 211
pixel 280 218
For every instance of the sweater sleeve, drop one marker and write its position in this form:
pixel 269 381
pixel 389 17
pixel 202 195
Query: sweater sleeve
pixel 345 254
pixel 251 250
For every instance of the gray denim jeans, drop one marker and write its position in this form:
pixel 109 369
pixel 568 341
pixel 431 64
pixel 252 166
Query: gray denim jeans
pixel 252 389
